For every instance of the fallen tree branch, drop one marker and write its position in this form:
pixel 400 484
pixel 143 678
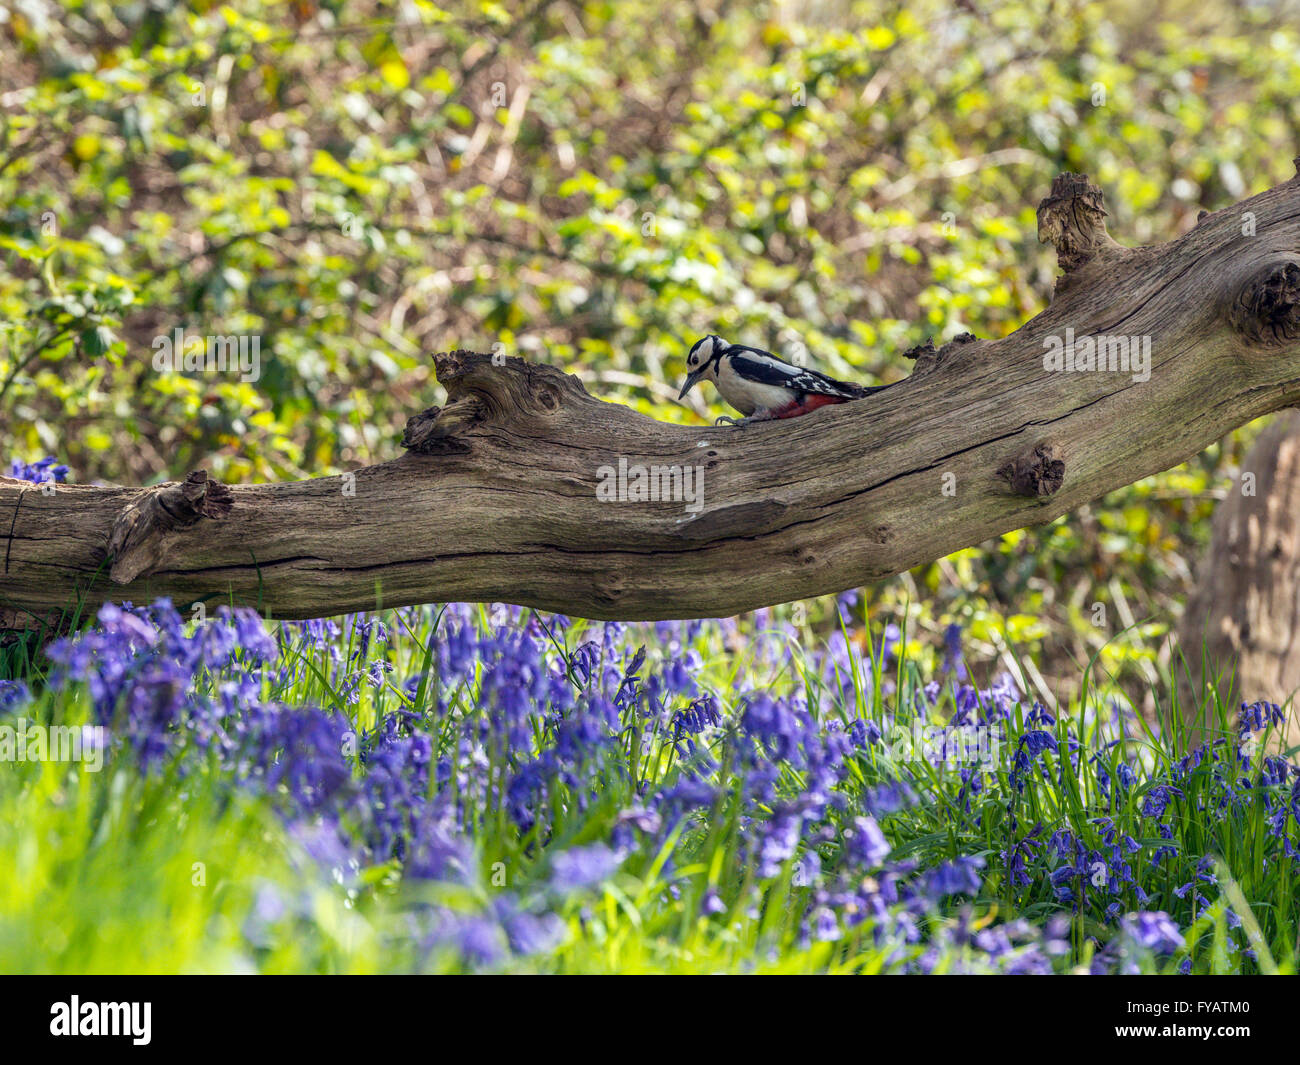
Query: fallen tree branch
pixel 525 489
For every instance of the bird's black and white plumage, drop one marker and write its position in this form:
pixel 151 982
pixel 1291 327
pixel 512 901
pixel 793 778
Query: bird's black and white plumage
pixel 761 385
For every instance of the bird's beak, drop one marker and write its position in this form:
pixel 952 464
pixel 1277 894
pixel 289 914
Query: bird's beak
pixel 691 378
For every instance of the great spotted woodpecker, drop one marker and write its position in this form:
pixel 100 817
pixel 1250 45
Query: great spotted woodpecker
pixel 760 385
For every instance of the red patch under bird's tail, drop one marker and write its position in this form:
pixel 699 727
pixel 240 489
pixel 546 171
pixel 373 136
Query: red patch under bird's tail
pixel 810 402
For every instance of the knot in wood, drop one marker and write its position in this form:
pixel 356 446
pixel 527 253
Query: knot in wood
pixel 431 432
pixel 199 497
pixel 547 398
pixel 1267 310
pixel 137 543
pixel 1037 473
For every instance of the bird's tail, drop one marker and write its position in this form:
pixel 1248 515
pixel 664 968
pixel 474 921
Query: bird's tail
pixel 861 391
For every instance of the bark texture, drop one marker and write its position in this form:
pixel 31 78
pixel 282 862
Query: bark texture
pixel 1239 632
pixel 497 495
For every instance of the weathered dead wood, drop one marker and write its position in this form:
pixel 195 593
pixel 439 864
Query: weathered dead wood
pixel 145 533
pixel 1240 633
pixel 497 496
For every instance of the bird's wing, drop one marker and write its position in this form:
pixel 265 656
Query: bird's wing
pixel 767 369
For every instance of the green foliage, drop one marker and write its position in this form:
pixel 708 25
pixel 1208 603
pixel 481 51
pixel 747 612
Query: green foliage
pixel 594 185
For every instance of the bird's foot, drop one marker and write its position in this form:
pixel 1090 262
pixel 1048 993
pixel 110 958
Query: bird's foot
pixel 761 416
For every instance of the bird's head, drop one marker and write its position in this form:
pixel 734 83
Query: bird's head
pixel 702 362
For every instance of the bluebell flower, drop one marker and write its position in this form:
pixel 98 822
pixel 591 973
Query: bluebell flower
pixel 1154 931
pixel 953 662
pixel 584 867
pixel 528 933
pixel 889 646
pixel 1158 799
pixel 825 925
pixel 14 695
pixel 888 797
pixel 711 904
pixel 865 844
pixel 477 939
pixel 959 876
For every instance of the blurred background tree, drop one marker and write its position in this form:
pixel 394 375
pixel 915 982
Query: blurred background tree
pixel 595 185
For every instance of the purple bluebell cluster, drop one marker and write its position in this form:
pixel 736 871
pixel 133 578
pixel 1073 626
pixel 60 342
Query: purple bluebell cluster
pixel 528 769
pixel 47 469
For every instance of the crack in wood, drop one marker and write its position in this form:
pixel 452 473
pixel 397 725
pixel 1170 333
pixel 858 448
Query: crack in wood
pixel 13 524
